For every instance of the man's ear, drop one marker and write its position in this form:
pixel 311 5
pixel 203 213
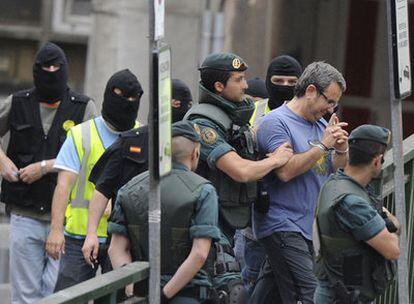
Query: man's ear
pixel 311 91
pixel 218 86
pixel 195 154
pixel 377 160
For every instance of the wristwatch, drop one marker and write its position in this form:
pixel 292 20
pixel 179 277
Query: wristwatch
pixel 43 167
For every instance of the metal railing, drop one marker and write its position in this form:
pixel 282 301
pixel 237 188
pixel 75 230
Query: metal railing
pixel 387 192
pixel 103 288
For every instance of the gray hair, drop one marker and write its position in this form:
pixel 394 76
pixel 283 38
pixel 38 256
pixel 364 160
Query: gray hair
pixel 321 75
pixel 182 148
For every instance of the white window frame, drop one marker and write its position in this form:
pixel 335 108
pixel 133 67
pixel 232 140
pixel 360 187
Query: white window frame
pixel 64 22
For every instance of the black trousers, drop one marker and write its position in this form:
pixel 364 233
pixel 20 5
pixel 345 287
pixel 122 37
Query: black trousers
pixel 287 275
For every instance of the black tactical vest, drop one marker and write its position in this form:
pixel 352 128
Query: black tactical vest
pixel 235 198
pixel 343 258
pixel 179 193
pixel 29 144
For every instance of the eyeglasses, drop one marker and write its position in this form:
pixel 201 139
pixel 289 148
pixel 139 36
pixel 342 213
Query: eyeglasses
pixel 331 103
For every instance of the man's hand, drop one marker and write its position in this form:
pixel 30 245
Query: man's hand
pixel 55 244
pixel 90 248
pixel 334 136
pixel 31 173
pixel 9 170
pixel 282 154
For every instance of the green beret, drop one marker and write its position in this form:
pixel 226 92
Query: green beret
pixel 224 62
pixel 372 133
pixel 187 129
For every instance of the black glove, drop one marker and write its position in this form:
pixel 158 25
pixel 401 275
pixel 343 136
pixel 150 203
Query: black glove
pixel 389 223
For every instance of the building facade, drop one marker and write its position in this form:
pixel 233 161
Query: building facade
pixel 102 36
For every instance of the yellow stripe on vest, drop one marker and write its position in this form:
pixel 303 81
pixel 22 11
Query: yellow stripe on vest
pixel 89 148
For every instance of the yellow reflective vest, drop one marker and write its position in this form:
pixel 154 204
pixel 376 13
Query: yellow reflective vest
pixel 261 108
pixel 89 148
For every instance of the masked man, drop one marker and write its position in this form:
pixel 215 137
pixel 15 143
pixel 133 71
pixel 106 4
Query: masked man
pixel 81 150
pixel 182 100
pixel 38 120
pixel 282 75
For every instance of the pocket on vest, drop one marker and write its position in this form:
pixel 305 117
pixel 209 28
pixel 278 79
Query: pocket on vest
pixel 22 138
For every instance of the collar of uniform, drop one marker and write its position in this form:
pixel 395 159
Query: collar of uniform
pixel 342 175
pixel 179 166
pixel 236 111
pixel 206 96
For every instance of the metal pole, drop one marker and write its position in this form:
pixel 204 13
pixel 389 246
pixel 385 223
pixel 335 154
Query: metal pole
pixel 399 186
pixel 154 196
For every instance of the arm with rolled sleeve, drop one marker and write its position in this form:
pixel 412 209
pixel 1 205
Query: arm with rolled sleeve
pixel 202 231
pixel 119 250
pixel 220 155
pixel 358 217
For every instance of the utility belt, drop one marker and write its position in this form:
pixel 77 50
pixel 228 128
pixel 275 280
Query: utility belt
pixel 232 292
pixel 203 294
pixel 343 295
pixel 353 288
pixel 217 263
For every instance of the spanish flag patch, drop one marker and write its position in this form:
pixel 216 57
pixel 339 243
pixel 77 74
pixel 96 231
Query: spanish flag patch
pixel 135 149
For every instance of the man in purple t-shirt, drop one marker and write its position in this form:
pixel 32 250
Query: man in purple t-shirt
pixel 285 231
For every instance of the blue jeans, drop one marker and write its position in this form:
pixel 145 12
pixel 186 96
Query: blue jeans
pixel 323 293
pixel 254 257
pixel 250 255
pixel 73 267
pixel 290 260
pixel 239 244
pixel 32 273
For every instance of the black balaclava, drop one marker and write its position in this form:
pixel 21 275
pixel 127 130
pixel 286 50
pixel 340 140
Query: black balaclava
pixel 50 86
pixel 181 92
pixel 120 112
pixel 284 66
pixel 257 88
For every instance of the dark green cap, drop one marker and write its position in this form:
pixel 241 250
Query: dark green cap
pixel 187 129
pixel 372 133
pixel 224 62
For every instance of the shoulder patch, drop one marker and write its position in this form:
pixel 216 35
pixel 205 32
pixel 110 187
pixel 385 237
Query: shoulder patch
pixel 209 136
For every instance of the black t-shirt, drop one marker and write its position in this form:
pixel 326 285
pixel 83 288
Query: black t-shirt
pixel 124 159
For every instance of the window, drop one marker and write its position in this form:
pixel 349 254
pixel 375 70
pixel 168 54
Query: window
pixel 72 16
pixel 22 12
pixel 16 61
pixel 362 27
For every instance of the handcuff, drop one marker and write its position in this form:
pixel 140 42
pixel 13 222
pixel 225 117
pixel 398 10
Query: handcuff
pixel 325 149
pixel 318 144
